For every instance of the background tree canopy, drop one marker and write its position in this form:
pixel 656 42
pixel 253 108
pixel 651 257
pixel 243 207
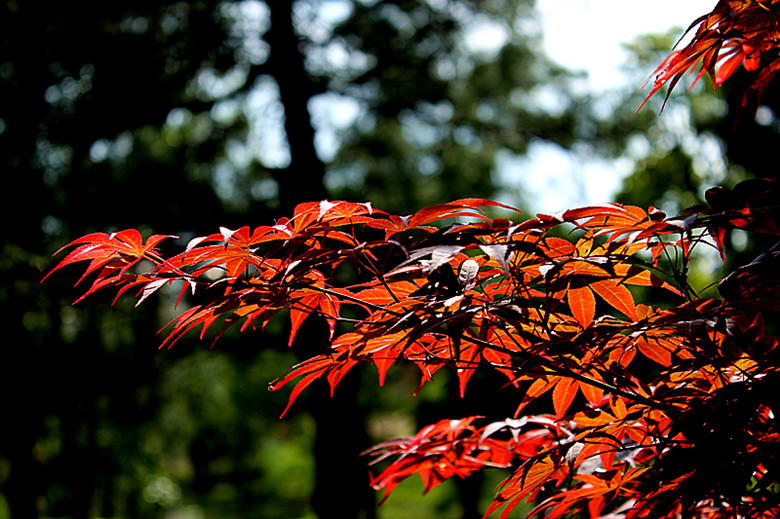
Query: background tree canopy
pixel 236 111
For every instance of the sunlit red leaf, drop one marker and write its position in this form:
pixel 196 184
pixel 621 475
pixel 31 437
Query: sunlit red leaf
pixel 526 483
pixel 325 304
pixel 594 395
pixel 563 395
pixel 329 366
pixel 540 386
pixel 466 364
pixel 653 350
pixel 101 249
pixel 582 304
pixel 617 296
pixel 437 452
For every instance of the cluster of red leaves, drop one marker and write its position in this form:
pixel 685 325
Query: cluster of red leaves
pixel 736 32
pixel 676 413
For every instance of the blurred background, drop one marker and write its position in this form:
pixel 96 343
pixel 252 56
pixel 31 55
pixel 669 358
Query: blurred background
pixel 177 117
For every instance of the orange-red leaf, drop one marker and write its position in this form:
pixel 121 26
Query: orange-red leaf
pixel 563 395
pixel 654 350
pixel 617 296
pixel 312 369
pixel 101 249
pixel 582 304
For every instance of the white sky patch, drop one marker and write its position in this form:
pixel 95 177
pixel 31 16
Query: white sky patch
pixel 552 179
pixel 267 140
pixel 485 36
pixel 331 114
pixel 587 34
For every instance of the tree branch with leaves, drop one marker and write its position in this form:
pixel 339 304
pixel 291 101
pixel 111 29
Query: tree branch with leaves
pixel 654 411
pixel 451 287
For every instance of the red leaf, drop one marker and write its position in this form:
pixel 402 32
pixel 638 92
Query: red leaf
pixel 594 395
pixel 466 364
pixel 525 484
pixel 540 386
pixel 322 365
pixel 563 395
pixel 617 296
pixel 654 350
pixel 102 248
pixel 299 311
pixel 384 352
pixel 582 304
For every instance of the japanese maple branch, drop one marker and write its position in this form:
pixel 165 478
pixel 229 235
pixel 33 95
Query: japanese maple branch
pixel 552 366
pixel 566 372
pixel 355 300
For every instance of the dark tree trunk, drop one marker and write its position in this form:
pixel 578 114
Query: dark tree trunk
pixel 302 180
pixel 341 481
